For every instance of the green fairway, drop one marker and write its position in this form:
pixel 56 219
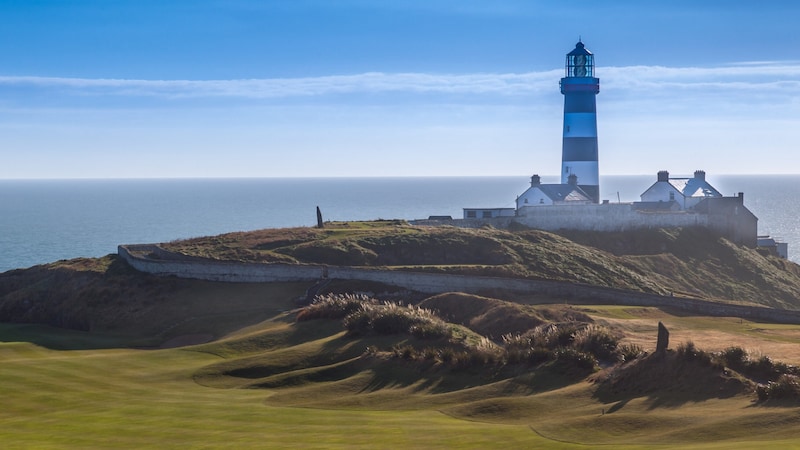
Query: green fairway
pixel 137 398
pixel 149 398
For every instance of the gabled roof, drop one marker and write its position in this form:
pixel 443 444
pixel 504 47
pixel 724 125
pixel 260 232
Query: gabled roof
pixel 694 187
pixel 562 192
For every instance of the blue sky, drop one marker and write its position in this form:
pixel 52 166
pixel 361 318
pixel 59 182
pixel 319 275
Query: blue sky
pixel 245 88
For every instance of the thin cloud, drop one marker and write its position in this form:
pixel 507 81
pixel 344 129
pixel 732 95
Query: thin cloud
pixel 745 77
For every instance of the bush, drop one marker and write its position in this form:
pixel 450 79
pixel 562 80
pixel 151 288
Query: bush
pixel 392 318
pixel 573 358
pixel 735 357
pixel 430 330
pixel 629 352
pixel 786 387
pixel 539 355
pixel 763 368
pixel 517 341
pixel 333 306
pixel 358 322
pixel 552 336
pixel 689 352
pixel 596 340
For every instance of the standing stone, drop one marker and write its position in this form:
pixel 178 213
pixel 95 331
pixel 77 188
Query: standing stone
pixel 319 219
pixel 663 338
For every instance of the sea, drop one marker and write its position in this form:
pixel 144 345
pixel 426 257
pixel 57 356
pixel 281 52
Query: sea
pixel 43 221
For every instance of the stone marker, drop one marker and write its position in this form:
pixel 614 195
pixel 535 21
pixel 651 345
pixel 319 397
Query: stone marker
pixel 663 338
pixel 319 219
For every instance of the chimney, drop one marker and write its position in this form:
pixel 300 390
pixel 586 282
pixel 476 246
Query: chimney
pixel 663 175
pixel 572 179
pixel 535 180
pixel 741 197
pixel 700 175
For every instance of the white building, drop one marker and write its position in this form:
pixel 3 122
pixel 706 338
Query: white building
pixel 685 192
pixel 552 194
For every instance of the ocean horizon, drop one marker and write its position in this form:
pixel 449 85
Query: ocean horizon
pixel 44 221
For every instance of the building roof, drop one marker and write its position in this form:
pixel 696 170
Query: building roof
pixel 562 192
pixel 580 49
pixel 694 187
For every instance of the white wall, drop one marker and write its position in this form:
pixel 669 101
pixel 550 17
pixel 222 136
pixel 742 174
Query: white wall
pixel 535 197
pixel 659 192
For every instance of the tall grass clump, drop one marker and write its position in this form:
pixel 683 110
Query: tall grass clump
pixel 394 318
pixel 333 306
pixel 553 335
pixel 786 387
pixel 759 367
pixel 629 352
pixel 689 352
pixel 598 341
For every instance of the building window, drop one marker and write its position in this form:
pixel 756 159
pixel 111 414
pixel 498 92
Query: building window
pixel 526 200
pixel 487 214
pixel 471 215
pixel 672 196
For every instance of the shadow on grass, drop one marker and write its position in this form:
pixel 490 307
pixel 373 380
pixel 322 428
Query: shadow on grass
pixel 62 339
pixel 667 381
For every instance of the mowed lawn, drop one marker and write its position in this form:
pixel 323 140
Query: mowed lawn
pixel 147 398
pixel 129 398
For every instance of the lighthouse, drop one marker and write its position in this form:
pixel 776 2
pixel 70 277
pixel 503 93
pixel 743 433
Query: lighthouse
pixel 579 147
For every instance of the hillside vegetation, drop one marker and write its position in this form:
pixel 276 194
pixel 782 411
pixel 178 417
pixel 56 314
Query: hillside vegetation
pixel 100 355
pixel 692 261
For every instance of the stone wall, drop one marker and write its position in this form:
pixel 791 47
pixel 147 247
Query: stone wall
pixel 605 217
pixel 148 259
pixel 727 216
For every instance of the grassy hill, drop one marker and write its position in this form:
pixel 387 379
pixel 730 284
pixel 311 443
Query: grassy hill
pixel 96 354
pixel 691 261
pixel 285 383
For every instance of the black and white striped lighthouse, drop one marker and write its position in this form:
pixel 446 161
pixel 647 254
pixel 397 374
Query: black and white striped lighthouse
pixel 579 148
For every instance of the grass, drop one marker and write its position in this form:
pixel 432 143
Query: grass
pixel 125 398
pixel 135 398
pixel 268 380
pixel 690 262
pixel 779 341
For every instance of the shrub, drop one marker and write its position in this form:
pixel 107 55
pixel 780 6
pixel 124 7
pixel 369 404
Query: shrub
pixel 596 340
pixel 573 358
pixel 429 353
pixel 735 357
pixel 517 341
pixel 447 354
pixel 629 352
pixel 552 336
pixel 404 351
pixel 689 352
pixel 392 318
pixel 433 329
pixel 358 322
pixel 786 387
pixel 539 355
pixel 333 306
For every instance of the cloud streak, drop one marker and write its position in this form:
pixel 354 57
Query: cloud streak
pixel 770 77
